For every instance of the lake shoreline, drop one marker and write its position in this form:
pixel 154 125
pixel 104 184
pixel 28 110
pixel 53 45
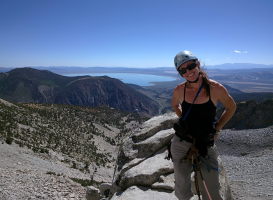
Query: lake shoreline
pixel 143 80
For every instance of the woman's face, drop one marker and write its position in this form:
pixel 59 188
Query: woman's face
pixel 191 74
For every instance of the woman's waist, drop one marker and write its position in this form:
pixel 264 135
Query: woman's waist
pixel 201 124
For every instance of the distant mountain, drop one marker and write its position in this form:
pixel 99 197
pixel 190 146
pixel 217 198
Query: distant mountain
pixel 251 114
pixel 42 86
pixel 168 70
pixel 232 90
pixel 5 69
pixel 239 66
pixel 255 96
pixel 250 76
pixel 96 91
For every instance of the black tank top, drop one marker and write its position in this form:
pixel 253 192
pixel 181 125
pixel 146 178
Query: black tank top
pixel 201 118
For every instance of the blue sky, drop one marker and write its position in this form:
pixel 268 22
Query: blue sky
pixel 134 33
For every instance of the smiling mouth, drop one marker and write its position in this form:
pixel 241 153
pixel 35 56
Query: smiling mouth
pixel 191 75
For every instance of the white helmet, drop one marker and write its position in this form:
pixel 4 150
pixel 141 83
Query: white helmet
pixel 182 57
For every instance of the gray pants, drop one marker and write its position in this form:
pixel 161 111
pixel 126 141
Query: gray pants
pixel 183 170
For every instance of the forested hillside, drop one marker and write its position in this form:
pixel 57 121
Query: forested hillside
pixel 85 134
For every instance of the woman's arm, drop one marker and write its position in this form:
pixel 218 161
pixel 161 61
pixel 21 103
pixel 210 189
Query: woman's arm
pixel 177 99
pixel 228 103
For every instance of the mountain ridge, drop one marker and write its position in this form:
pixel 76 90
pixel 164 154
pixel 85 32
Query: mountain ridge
pixel 41 86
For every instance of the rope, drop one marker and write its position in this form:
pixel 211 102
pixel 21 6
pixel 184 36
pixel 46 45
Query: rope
pixel 197 168
pixel 195 177
pixel 205 185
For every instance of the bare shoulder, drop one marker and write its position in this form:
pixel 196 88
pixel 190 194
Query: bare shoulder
pixel 220 94
pixel 180 87
pixel 218 91
pixel 216 86
pixel 178 94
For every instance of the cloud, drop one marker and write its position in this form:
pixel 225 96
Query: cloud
pixel 239 51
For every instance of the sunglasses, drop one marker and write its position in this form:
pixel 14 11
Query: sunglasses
pixel 183 70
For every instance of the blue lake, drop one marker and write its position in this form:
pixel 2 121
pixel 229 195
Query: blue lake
pixel 138 79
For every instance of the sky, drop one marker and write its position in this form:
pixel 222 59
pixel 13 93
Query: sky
pixel 134 33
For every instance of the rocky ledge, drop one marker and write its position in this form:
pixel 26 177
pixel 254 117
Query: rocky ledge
pixel 143 171
pixel 245 157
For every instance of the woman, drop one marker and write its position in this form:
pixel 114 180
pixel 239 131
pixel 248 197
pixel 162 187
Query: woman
pixel 203 129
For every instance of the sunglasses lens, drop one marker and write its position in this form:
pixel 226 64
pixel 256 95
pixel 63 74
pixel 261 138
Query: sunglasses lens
pixel 189 67
pixel 183 71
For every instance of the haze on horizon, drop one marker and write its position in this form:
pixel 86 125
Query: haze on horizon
pixel 135 33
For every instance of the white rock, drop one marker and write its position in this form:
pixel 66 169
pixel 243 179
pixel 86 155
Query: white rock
pixel 166 183
pixel 147 172
pixel 135 193
pixel 153 125
pixel 154 143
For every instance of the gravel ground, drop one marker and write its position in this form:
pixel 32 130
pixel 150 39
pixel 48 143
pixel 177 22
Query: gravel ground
pixel 24 175
pixel 247 156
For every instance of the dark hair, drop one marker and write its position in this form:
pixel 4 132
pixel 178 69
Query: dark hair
pixel 206 81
